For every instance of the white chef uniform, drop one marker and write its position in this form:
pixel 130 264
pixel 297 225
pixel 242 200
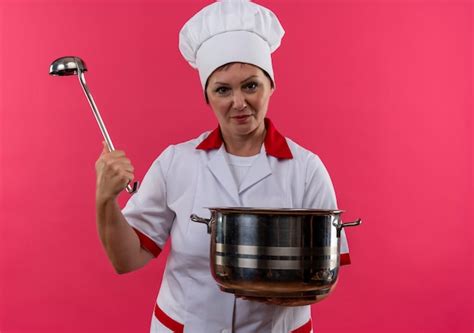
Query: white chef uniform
pixel 190 176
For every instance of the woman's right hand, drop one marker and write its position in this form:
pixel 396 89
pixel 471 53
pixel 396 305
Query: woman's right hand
pixel 114 172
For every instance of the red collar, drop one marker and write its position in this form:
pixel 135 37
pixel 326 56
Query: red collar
pixel 275 143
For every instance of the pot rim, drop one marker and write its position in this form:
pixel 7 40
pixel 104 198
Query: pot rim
pixel 272 211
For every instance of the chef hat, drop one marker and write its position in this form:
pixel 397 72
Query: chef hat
pixel 230 31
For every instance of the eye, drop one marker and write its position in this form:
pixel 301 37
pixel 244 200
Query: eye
pixel 251 86
pixel 222 90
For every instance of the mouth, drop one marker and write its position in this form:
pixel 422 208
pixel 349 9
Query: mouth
pixel 241 118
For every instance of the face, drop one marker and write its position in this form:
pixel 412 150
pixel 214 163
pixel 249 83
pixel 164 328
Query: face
pixel 239 95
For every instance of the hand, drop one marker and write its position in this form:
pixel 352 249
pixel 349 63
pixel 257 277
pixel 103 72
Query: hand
pixel 113 171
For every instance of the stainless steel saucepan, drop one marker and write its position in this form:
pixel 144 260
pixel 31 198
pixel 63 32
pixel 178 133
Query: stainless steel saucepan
pixel 290 256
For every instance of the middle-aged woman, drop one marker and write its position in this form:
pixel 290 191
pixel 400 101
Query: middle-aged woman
pixel 245 162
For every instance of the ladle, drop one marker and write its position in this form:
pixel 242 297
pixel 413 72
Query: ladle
pixel 71 65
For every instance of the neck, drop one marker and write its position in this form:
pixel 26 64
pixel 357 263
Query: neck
pixel 245 145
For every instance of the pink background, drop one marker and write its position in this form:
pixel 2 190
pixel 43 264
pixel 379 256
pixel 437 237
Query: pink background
pixel 381 90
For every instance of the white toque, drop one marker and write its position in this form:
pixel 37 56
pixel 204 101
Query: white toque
pixel 230 31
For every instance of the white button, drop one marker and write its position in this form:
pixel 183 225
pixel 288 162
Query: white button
pixel 225 330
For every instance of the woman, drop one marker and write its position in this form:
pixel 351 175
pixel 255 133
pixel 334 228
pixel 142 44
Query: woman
pixel 243 162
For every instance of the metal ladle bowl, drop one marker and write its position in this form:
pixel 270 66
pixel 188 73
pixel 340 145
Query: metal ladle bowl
pixel 70 65
pixel 67 66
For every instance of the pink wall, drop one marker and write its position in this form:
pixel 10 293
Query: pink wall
pixel 382 91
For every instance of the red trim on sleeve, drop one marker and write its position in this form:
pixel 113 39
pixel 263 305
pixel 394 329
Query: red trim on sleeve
pixel 275 143
pixel 306 328
pixel 345 259
pixel 147 243
pixel 167 321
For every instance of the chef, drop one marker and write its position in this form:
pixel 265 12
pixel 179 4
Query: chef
pixel 244 162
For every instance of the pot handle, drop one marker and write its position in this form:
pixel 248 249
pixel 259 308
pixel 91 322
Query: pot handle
pixel 198 219
pixel 348 224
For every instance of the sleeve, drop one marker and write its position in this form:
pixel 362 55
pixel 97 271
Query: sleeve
pixel 320 194
pixel 147 211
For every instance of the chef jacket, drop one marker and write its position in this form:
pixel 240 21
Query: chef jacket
pixel 188 177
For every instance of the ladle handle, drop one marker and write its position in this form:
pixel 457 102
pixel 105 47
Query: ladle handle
pixel 130 188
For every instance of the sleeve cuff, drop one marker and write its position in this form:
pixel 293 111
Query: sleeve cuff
pixel 345 259
pixel 147 243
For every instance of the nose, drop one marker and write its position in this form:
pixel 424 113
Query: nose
pixel 238 101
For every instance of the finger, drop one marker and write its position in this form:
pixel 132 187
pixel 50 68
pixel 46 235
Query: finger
pixel 115 153
pixel 126 179
pixel 120 181
pixel 115 157
pixel 118 168
pixel 120 161
pixel 124 165
pixel 105 148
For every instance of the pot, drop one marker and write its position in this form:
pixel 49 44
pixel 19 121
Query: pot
pixel 280 256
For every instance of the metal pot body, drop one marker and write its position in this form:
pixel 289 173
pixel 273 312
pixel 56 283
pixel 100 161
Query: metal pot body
pixel 275 253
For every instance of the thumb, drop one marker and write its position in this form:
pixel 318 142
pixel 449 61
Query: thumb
pixel 105 148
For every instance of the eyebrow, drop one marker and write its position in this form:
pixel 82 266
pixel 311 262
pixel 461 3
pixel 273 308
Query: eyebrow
pixel 226 84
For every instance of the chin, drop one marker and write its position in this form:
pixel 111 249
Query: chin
pixel 245 128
